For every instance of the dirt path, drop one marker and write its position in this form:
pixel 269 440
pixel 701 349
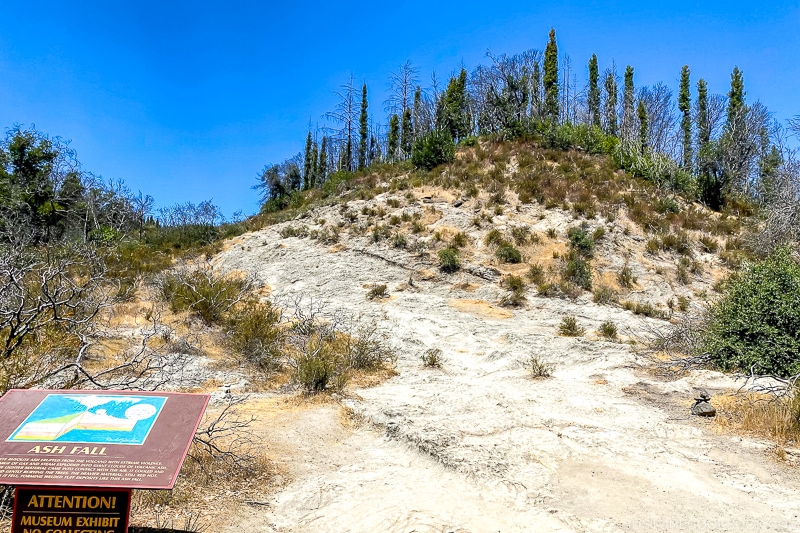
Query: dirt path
pixel 480 446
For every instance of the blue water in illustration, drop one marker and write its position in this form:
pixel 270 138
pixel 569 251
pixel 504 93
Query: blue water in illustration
pixel 91 419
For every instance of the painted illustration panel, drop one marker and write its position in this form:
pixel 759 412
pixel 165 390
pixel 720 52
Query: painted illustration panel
pixel 91 419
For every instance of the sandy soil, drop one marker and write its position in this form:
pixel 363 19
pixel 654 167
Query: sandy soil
pixel 478 445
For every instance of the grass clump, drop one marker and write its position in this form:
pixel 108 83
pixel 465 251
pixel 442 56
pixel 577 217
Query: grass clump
pixel 608 329
pixel 569 327
pixel 432 358
pixel 448 260
pixel 494 238
pixel 516 291
pixel 625 277
pixel 459 240
pixel 645 309
pixel 537 368
pixel 377 292
pixel 604 294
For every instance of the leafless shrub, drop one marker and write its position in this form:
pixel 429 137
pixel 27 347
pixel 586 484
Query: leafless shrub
pixel 677 348
pixel 225 437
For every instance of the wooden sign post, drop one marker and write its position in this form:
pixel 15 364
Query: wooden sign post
pixel 86 443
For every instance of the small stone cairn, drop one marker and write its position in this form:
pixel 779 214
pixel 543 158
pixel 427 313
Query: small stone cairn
pixel 702 405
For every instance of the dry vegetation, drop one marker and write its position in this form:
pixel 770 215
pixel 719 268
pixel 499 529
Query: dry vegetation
pixel 550 223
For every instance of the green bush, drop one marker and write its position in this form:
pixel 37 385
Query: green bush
pixel 581 241
pixel 318 371
pixel 432 358
pixel 608 329
pixel 538 368
pixel 569 327
pixel 494 238
pixel 254 331
pixel 204 291
pixel 578 271
pixel 433 149
pixel 448 260
pixel 508 254
pixel 756 324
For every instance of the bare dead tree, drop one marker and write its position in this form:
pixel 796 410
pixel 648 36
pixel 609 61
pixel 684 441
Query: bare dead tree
pixel 402 84
pixel 345 114
pixel 662 118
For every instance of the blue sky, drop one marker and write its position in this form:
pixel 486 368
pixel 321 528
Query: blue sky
pixel 189 100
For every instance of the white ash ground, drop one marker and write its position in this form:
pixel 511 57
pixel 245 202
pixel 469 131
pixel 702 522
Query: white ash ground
pixel 479 445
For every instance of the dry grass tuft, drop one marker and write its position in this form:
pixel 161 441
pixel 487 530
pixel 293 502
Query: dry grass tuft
pixel 760 415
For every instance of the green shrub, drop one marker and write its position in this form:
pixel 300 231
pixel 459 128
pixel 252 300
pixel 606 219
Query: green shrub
pixel 536 274
pixel 432 358
pixel 254 331
pixel 625 277
pixel 448 260
pixel 581 241
pixel 578 271
pixel 318 371
pixel 756 324
pixel 608 329
pixel 569 327
pixel 494 238
pixel 538 368
pixel 433 149
pixel 377 292
pixel 203 291
pixel 604 294
pixel 508 254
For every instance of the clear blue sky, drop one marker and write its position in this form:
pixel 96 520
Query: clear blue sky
pixel 189 100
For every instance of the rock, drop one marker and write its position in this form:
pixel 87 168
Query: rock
pixel 458 203
pixel 702 405
pixel 703 409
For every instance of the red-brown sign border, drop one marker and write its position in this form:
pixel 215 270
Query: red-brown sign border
pixel 39 482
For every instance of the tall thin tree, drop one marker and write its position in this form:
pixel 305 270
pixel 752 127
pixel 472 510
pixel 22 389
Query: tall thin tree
pixel 643 126
pixel 703 125
pixel 594 92
pixel 322 162
pixel 550 79
pixel 685 107
pixel 308 162
pixel 406 133
pixel 611 103
pixel 363 130
pixel 394 138
pixel 628 113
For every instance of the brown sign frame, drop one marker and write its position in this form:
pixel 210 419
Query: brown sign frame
pixel 72 521
pixel 108 439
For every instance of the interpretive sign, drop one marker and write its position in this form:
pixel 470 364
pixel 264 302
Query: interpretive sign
pixel 43 509
pixel 96 438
